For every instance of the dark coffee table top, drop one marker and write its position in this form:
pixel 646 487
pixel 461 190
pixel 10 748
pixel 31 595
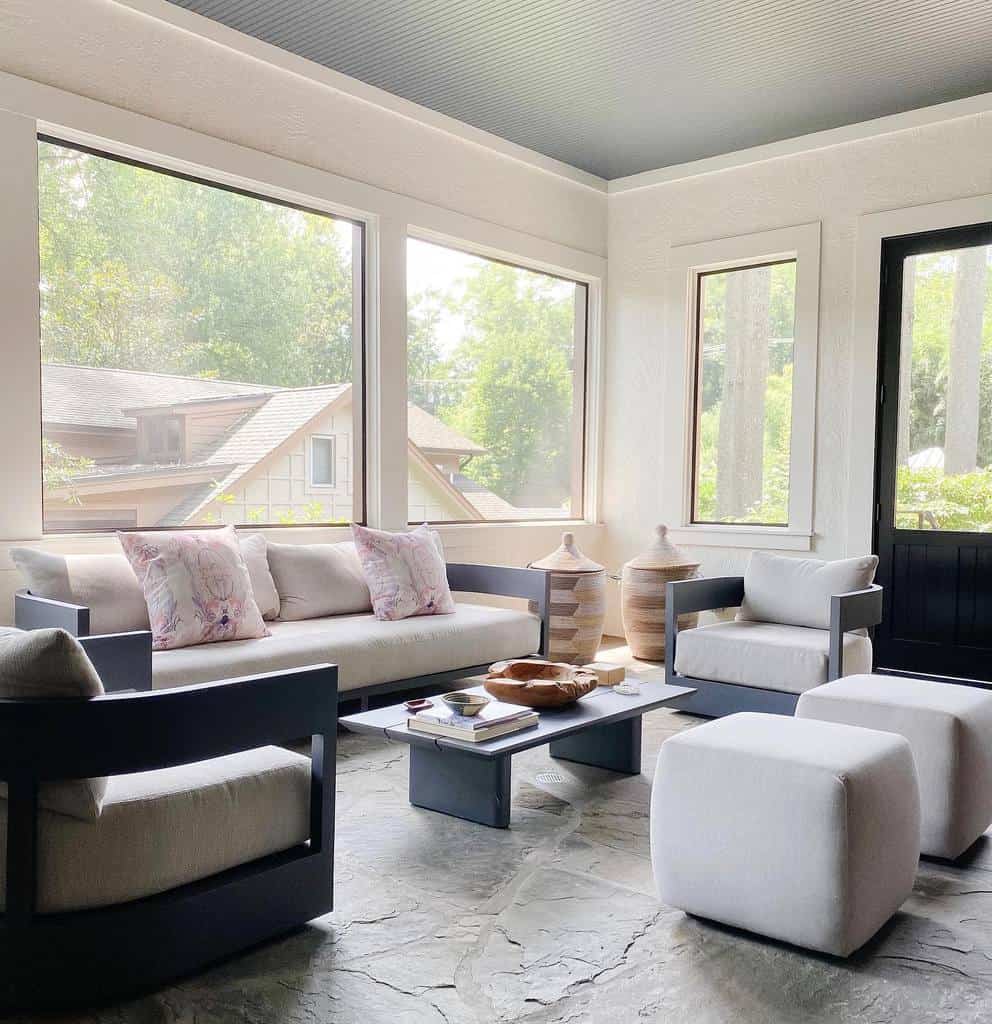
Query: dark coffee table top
pixel 600 707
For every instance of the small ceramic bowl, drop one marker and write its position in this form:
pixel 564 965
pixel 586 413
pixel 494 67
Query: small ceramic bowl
pixel 465 703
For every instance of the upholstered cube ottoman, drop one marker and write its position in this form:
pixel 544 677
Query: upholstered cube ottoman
pixel 799 830
pixel 950 731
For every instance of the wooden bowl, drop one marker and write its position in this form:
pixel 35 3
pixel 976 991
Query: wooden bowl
pixel 467 704
pixel 539 684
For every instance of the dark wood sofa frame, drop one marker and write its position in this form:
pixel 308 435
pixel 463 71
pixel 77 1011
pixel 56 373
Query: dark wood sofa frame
pixel 86 957
pixel 858 609
pixel 124 660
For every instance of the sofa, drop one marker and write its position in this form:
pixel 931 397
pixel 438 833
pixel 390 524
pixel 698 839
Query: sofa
pixel 317 609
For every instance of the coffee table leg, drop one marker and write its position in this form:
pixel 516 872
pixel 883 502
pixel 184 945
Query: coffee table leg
pixel 463 785
pixel 616 746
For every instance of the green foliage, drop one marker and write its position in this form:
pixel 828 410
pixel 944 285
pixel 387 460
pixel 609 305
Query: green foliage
pixel 926 498
pixel 59 468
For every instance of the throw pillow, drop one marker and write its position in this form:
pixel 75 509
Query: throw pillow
pixel 196 586
pixel 46 663
pixel 314 580
pixel 254 548
pixel 797 591
pixel 105 584
pixel 405 572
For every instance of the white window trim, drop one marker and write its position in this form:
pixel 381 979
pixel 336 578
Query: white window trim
pixel 802 243
pixel 334 469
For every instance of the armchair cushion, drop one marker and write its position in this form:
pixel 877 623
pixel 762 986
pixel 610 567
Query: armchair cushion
pixel 768 655
pixel 797 591
pixel 43 664
pixel 105 584
pixel 162 829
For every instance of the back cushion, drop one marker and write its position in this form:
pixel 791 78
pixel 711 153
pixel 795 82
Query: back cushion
pixel 254 550
pixel 314 580
pixel 797 591
pixel 105 584
pixel 49 663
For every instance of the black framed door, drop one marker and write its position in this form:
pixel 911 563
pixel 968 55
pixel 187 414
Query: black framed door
pixel 933 531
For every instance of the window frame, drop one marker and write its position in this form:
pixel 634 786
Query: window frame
pixel 360 311
pixel 311 462
pixel 582 393
pixel 688 265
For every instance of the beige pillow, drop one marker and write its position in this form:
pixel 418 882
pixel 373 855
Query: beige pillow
pixel 49 663
pixel 797 591
pixel 314 580
pixel 105 584
pixel 254 550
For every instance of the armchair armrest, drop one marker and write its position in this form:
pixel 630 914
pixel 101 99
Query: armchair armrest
pixel 533 585
pixel 858 609
pixel 695 596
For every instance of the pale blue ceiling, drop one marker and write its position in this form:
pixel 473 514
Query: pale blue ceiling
pixel 620 86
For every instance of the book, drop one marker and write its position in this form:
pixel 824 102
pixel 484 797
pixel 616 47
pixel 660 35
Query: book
pixel 495 711
pixel 502 728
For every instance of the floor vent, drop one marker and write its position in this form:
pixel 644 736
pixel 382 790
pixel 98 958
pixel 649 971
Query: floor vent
pixel 549 779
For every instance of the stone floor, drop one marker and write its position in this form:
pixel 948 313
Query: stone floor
pixel 556 920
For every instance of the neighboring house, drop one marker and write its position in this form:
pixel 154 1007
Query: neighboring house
pixel 175 451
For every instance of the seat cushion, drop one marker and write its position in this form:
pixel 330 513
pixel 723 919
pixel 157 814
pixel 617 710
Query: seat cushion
pixel 803 831
pixel 797 591
pixel 162 829
pixel 366 650
pixel 765 654
pixel 949 728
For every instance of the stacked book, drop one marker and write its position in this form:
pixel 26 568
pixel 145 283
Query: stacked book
pixel 495 719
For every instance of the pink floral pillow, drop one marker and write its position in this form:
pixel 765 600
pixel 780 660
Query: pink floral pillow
pixel 405 572
pixel 196 586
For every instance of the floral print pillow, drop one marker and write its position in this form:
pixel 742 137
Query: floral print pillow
pixel 405 572
pixel 196 586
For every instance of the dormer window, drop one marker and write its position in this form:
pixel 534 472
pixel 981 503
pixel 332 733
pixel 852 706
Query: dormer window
pixel 161 438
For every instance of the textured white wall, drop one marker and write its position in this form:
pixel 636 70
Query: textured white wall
pixel 835 186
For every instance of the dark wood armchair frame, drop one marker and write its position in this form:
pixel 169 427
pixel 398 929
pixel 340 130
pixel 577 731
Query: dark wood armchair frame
pixel 89 956
pixel 855 610
pixel 124 660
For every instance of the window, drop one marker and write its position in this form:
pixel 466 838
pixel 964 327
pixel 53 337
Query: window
pixel 496 379
pixel 322 461
pixel 744 343
pixel 739 390
pixel 194 338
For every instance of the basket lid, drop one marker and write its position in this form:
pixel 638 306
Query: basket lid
pixel 567 558
pixel 662 554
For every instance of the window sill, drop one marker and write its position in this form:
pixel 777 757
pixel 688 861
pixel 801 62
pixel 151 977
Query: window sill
pixel 773 538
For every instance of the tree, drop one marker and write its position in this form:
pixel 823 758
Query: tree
pixel 906 357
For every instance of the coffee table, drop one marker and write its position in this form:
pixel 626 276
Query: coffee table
pixel 472 780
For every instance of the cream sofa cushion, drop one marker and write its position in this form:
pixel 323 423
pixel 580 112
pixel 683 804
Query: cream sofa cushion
pixel 254 550
pixel 949 728
pixel 314 580
pixel 803 831
pixel 365 650
pixel 165 828
pixel 105 584
pixel 797 591
pixel 765 654
pixel 42 664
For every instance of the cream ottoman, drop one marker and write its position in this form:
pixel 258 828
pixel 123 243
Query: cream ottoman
pixel 803 831
pixel 950 730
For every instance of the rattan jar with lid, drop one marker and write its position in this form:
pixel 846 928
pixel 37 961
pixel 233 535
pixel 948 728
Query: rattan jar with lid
pixel 642 595
pixel 578 603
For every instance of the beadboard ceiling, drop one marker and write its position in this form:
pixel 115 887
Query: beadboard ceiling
pixel 620 86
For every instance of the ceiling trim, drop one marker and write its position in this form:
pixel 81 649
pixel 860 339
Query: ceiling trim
pixel 906 121
pixel 197 24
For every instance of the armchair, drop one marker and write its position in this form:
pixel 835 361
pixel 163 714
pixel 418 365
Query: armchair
pixel 760 665
pixel 97 909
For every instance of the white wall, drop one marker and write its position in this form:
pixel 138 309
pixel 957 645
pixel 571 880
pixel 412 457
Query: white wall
pixel 834 186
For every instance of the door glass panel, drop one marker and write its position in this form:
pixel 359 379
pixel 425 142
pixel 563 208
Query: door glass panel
pixel 944 440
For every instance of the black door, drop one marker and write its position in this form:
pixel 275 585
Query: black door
pixel 934 453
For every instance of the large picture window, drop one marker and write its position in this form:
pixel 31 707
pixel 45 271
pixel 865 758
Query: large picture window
pixel 496 388
pixel 194 341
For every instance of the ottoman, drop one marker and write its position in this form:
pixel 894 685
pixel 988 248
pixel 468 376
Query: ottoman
pixel 799 830
pixel 949 728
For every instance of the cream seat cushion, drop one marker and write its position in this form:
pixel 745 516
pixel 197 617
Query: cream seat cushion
pixel 162 829
pixel 365 650
pixel 765 654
